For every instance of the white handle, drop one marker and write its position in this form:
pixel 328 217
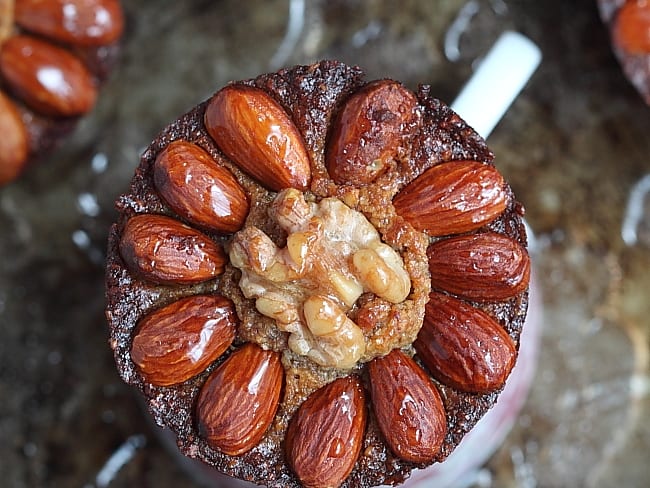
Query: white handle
pixel 502 74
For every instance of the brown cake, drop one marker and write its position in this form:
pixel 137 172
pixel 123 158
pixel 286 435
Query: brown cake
pixel 53 56
pixel 629 26
pixel 317 280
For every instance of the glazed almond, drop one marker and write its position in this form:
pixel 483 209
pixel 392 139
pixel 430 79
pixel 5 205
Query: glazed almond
pixel 199 190
pixel 164 250
pixel 324 437
pixel 178 341
pixel 464 347
pixel 452 198
pixel 47 78
pixel 368 132
pixel 238 401
pixel 80 22
pixel 255 132
pixel 13 142
pixel 632 27
pixel 485 266
pixel 408 407
pixel 7 8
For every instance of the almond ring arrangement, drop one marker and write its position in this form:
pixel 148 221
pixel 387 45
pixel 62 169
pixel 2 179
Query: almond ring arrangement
pixel 629 25
pixel 316 280
pixel 53 56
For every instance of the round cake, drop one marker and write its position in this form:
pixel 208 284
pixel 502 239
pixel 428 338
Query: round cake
pixel 629 25
pixel 53 56
pixel 317 280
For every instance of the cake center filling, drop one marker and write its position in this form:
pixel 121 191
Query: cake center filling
pixel 332 256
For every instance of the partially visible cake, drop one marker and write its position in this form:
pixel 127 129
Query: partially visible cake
pixel 629 25
pixel 53 57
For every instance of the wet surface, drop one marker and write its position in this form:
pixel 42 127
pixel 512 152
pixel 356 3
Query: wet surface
pixel 574 146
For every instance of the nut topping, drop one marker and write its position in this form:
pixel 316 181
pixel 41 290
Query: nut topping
pixel 199 190
pixel 408 407
pixel 178 341
pixel 53 54
pixel 464 347
pixel 340 341
pixel 253 130
pixel 238 401
pixel 163 250
pixel 333 255
pixel 369 131
pixel 382 271
pixel 632 27
pixel 79 22
pixel 486 266
pixel 452 198
pixel 321 293
pixel 47 78
pixel 13 143
pixel 7 10
pixel 324 437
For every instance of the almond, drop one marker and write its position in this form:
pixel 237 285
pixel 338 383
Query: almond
pixel 13 143
pixel 199 190
pixel 80 22
pixel 238 401
pixel 486 266
pixel 632 27
pixel 408 407
pixel 178 341
pixel 255 132
pixel 464 347
pixel 368 132
pixel 164 250
pixel 7 9
pixel 324 437
pixel 47 78
pixel 452 198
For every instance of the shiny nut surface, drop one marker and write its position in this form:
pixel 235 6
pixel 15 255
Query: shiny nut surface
pixel 452 198
pixel 408 407
pixel 46 77
pixel 485 266
pixel 325 434
pixel 13 142
pixel 463 347
pixel 368 132
pixel 332 255
pixel 80 22
pixel 179 340
pixel 238 401
pixel 632 27
pixel 164 250
pixel 199 190
pixel 255 132
pixel 7 8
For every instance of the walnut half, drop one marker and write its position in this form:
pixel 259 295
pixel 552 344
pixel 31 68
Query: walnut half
pixel 332 256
